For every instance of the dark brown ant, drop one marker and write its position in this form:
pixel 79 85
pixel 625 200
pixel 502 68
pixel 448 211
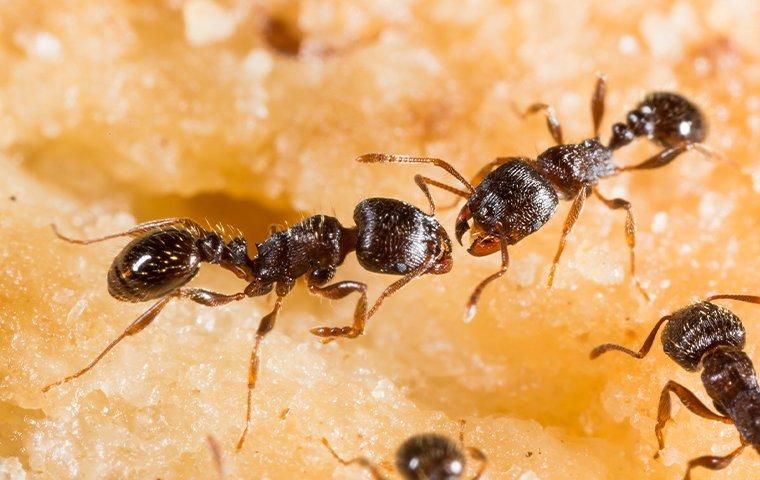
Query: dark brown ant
pixel 515 196
pixel 427 456
pixel 705 335
pixel 390 237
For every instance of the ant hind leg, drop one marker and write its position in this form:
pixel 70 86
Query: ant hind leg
pixel 265 326
pixel 630 234
pixel 204 297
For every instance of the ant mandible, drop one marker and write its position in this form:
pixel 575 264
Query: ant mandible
pixel 711 337
pixel 390 236
pixel 513 197
pixel 427 456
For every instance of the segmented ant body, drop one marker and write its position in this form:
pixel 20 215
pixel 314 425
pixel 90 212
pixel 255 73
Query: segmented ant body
pixel 390 237
pixel 427 456
pixel 513 197
pixel 711 337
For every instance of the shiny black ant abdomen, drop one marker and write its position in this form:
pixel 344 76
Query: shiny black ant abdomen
pixel 512 197
pixel 389 237
pixel 427 456
pixel 711 337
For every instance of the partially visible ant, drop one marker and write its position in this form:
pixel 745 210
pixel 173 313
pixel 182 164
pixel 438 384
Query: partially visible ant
pixel 390 237
pixel 427 456
pixel 513 197
pixel 705 335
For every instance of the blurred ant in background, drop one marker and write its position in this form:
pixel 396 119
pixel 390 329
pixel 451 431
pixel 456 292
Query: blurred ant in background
pixel 427 456
pixel 512 197
pixel 705 335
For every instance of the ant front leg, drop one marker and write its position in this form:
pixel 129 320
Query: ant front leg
pixel 361 461
pixel 137 230
pixel 572 217
pixel 265 326
pixel 552 123
pixel 630 234
pixel 198 295
pixel 713 463
pixel 689 400
pixel 472 304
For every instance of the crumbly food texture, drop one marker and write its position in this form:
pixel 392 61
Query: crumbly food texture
pixel 112 113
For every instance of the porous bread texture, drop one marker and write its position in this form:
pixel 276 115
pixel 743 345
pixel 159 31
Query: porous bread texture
pixel 119 112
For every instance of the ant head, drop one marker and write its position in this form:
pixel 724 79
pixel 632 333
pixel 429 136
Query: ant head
pixel 696 329
pixel 512 201
pixel 430 456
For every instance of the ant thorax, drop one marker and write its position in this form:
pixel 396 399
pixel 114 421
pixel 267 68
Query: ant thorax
pixel 572 166
pixel 314 243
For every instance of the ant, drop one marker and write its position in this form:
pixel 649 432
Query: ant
pixel 390 236
pixel 427 456
pixel 513 197
pixel 711 337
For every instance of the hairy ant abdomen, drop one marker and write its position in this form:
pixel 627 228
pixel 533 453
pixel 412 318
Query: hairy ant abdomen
pixel 670 119
pixel 395 237
pixel 694 330
pixel 153 265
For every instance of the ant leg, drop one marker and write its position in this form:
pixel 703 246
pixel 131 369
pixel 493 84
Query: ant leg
pixel 741 298
pixel 136 230
pixel 630 233
pixel 473 452
pixel 642 351
pixel 552 123
pixel 423 183
pixel 689 400
pixel 472 304
pixel 265 326
pixel 216 455
pixel 337 291
pixel 394 287
pixel 597 102
pixel 361 461
pixel 391 158
pixel 669 154
pixel 713 463
pixel 482 460
pixel 204 297
pixel 572 217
